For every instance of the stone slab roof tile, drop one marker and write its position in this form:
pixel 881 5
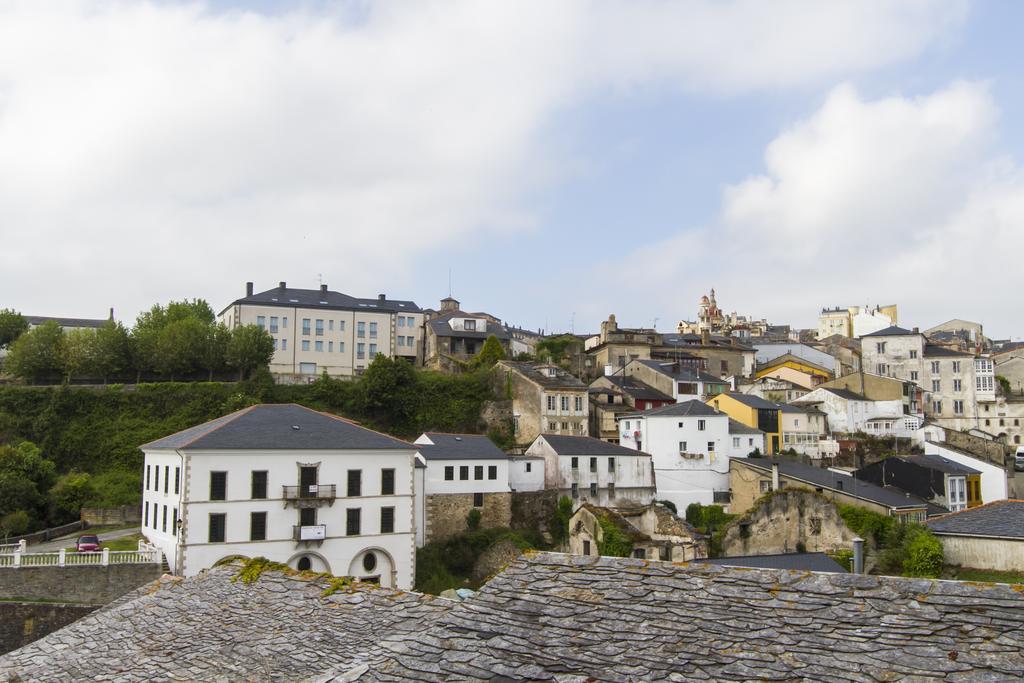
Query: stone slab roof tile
pixel 1003 518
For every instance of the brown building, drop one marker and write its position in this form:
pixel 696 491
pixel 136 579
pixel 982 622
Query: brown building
pixel 545 400
pixel 453 336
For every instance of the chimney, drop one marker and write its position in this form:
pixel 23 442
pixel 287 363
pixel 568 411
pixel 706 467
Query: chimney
pixel 248 289
pixel 705 338
pixel 775 476
pixel 381 298
pixel 323 289
pixel 916 331
pixel 858 555
pixel 282 285
pixel 111 313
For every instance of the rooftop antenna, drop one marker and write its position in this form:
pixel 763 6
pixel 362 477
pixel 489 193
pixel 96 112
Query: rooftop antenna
pixel 320 278
pixel 655 325
pixel 449 283
pixel 572 323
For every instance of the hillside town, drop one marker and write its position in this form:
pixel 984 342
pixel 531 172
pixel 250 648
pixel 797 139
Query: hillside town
pixel 861 447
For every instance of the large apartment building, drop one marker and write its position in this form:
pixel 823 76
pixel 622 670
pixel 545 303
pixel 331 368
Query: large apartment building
pixel 319 330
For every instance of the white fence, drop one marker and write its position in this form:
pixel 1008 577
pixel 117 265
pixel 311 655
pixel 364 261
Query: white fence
pixel 146 554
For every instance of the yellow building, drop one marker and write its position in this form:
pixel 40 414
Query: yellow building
pixel 794 369
pixel 755 412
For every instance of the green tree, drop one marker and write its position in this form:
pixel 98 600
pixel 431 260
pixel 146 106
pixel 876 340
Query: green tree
pixel 24 477
pixel 613 542
pixel 78 352
pixel 213 356
pixel 473 519
pixel 70 494
pixel 12 326
pixel 113 350
pixel 388 393
pixel 180 346
pixel 693 514
pixel 37 354
pixel 117 487
pixel 490 353
pixel 250 347
pixel 15 523
pixel 560 519
pixel 196 309
pixel 923 555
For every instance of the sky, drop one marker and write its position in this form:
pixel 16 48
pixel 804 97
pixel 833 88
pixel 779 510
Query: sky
pixel 555 162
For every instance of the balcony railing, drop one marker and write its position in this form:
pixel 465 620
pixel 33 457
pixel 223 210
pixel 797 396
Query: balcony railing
pixel 309 533
pixel 313 491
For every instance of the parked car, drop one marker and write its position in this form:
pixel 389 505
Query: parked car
pixel 1019 462
pixel 88 543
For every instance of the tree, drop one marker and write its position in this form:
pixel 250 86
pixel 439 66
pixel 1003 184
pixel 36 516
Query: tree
pixel 473 519
pixel 490 353
pixel 214 353
pixel 15 523
pixel 78 352
pixel 24 475
pixel 250 347
pixel 12 326
pixel 112 350
pixel 197 309
pixel 923 555
pixel 693 514
pixel 37 354
pixel 179 347
pixel 388 393
pixel 72 492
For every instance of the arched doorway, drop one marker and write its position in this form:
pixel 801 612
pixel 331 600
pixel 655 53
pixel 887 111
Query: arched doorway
pixel 374 565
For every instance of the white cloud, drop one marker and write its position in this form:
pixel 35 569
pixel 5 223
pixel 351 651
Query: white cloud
pixel 150 151
pixel 896 200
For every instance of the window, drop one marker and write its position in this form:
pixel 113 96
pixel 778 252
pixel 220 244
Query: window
pixel 147 477
pixel 341 347
pixel 579 404
pixel 273 324
pixel 680 425
pixel 387 520
pixel 408 321
pixel 611 490
pixel 639 553
pixel 156 478
pixel 319 346
pixel 958 407
pixel 936 385
pixel 880 346
pixel 373 330
pixel 352 522
pixel 958 386
pixel 575 462
pixel 257 526
pixel 464 472
pixel 330 325
pixel 373 350
pixel 361 329
pixel 319 327
pixel 218 520
pixel 565 403
pixel 586 547
pixel 492 472
pixel 935 367
pixel 701 424
pixel 883 369
pixel 218 485
pixel 575 490
pixel 682 446
pixel 913 375
pixel 305 345
pixel 478 500
pixel 360 350
pixel 725 366
pixel 305 326
pixel 937 406
pixel 155 508
pixel 611 464
pixel 145 510
pixel 449 472
pixel 387 482
pixel 529 465
pixel 401 321
pixel 711 446
pixel 408 341
pixel 478 472
pixel 593 489
pixel 766 486
pixel 261 322
pixel 259 484
pixel 593 464
pixel 956 366
pixel 284 344
pixel 469 325
pixel 355 483
pixel 401 341
pixel 330 347
pixel 284 322
pixel 913 353
pixel 735 442
pixel 174 522
pixel 177 480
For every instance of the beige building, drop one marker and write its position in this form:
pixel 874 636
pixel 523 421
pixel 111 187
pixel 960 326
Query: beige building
pixel 545 400
pixel 318 330
pixel 653 531
pixel 855 321
pixel 986 537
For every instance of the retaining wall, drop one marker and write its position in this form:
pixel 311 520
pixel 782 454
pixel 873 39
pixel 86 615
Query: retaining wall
pixel 23 622
pixel 89 584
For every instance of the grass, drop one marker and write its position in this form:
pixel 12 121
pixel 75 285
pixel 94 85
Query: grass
pixel 991 575
pixel 123 543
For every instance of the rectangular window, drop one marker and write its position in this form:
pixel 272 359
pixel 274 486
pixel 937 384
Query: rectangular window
pixel 408 341
pixel 174 522
pixel 330 347
pixel 330 325
pixel 373 330
pixel 361 329
pixel 958 407
pixel 261 322
pixel 401 321
pixel 284 322
pixel 593 489
pixel 682 446
pixel 586 547
pixel 593 464
pixel 319 346
pixel 725 366
pixel 305 345
pixel 469 325
pixel 147 477
pixel 478 472
pixel 155 509
pixel 575 490
pixel 409 321
pixel 478 500
pixel 551 403
pixel 565 403
pixel 305 326
pixel 735 442
pixel 579 404
pixel 882 369
pixel 881 347
pixel 492 472
pixel 341 347
pixel 145 511
pixel 284 344
pixel 257 526
pixel 167 478
pixel 387 482
pixel 177 479
pixel 611 464
pixel 913 375
pixel 273 324
pixel 352 522
pixel 218 520
pixel 156 478
pixel 937 406
pixel 355 483
pixel 575 462
pixel 449 472
pixel 373 350
pixel 259 484
pixel 387 520
pixel 936 385
pixel 464 472
pixel 701 424
pixel 319 327
pixel 640 553
pixel 341 325
pixel 958 385
pixel 218 485
pixel 361 350
pixel 935 367
pixel 711 446
pixel 400 341
pixel 956 366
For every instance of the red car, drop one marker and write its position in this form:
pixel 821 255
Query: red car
pixel 89 543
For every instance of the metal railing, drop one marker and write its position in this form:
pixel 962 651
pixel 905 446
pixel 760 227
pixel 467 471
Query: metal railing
pixel 146 554
pixel 315 491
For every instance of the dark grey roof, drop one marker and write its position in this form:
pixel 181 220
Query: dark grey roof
pixel 805 562
pixel 211 628
pixel 551 617
pixel 937 462
pixel 737 427
pixel 65 322
pixel 891 331
pixel 460 447
pixel 685 340
pixel 827 479
pixel 752 401
pixel 273 427
pixel 561 380
pixel 327 300
pixel 691 408
pixel 442 328
pixel 586 445
pixel 683 374
pixel 637 389
pixel 1001 519
pixel 936 351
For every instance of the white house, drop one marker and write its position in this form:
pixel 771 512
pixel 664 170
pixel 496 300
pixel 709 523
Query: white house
pixel 308 489
pixel 804 429
pixel 594 471
pixel 849 412
pixel 463 472
pixel 994 482
pixel 691 444
pixel 526 473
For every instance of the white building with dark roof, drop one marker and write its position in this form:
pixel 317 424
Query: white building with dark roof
pixel 319 330
pixel 300 487
pixel 595 471
pixel 691 444
pixel 463 472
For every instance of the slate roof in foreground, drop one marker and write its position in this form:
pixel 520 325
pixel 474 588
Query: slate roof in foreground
pixel 284 426
pixel 809 562
pixel 999 519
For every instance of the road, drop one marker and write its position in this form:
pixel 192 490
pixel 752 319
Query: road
pixel 69 541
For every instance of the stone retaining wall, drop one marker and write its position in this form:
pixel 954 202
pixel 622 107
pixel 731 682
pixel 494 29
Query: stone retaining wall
pixel 23 622
pixel 87 584
pixel 446 513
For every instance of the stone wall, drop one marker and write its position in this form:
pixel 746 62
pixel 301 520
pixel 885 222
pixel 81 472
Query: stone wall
pixel 446 513
pixel 23 622
pixel 91 584
pixel 533 509
pixel 47 534
pixel 126 514
pixel 785 522
pixel 984 553
pixel 497 415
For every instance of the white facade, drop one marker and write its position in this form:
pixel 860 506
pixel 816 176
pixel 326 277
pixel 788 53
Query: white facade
pixel 526 473
pixel 331 548
pixel 592 471
pixel 851 415
pixel 690 452
pixel 803 431
pixel 993 478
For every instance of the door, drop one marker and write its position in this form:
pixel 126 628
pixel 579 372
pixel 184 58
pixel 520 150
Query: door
pixel 307 482
pixel 307 517
pixel 775 443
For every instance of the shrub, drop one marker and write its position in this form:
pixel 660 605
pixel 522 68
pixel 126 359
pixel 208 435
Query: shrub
pixel 668 504
pixel 613 543
pixel 923 553
pixel 560 519
pixel 473 519
pixel 693 514
pixel 15 523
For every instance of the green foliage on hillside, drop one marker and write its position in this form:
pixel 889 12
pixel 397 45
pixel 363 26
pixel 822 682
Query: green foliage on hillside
pixel 903 548
pixel 449 563
pixel 613 542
